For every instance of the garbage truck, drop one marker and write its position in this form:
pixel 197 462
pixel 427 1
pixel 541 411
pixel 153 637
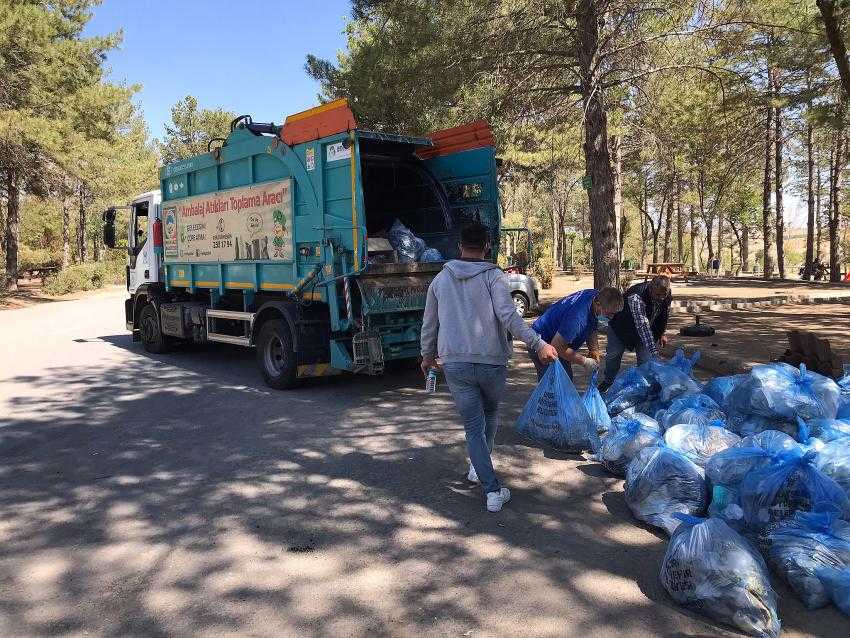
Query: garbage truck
pixel 278 238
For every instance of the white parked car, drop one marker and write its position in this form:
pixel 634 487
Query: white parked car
pixel 525 293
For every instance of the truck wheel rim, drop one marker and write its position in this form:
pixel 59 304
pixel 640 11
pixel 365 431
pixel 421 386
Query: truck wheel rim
pixel 274 355
pixel 519 302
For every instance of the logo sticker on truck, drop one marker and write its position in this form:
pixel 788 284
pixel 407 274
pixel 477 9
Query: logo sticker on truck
pixel 338 152
pixel 310 157
pixel 250 223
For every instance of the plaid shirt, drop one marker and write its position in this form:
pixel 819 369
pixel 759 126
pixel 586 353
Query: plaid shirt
pixel 642 323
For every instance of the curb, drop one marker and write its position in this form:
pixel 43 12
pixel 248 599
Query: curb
pixel 690 306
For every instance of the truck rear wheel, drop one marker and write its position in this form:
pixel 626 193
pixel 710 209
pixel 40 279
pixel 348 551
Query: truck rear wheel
pixel 152 338
pixel 276 356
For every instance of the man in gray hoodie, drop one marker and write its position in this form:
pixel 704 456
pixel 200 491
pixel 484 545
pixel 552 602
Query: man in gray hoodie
pixel 468 313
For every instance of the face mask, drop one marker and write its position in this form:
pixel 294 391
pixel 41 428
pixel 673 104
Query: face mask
pixel 602 321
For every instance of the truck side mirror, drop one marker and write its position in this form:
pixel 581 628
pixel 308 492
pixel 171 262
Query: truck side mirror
pixel 109 228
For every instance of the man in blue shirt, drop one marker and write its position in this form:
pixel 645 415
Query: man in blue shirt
pixel 573 321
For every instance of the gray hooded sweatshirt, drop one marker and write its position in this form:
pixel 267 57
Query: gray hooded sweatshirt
pixel 468 314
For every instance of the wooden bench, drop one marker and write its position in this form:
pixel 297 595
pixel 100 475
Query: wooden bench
pixel 669 268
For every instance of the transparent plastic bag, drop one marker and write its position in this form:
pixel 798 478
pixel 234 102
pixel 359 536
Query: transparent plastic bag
pixel 833 459
pixel 668 380
pixel 555 414
pixel 844 396
pixel 685 364
pixel 798 547
pixel 661 482
pixel 748 425
pixel 719 388
pixel 780 391
pixel 789 483
pixel 431 255
pixel 624 440
pixel 829 429
pixel 710 568
pixel 726 471
pixel 408 246
pixel 629 389
pixel 700 441
pixel 692 409
pixel 836 582
pixel 598 412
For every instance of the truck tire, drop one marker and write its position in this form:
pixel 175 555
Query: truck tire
pixel 521 303
pixel 152 338
pixel 276 356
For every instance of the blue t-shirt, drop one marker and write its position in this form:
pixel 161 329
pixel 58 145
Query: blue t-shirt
pixel 571 317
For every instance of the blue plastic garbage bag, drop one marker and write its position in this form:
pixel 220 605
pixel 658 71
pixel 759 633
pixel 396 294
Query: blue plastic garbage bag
pixel 844 398
pixel 710 568
pixel 660 482
pixel 833 459
pixel 748 425
pixel 693 408
pixel 629 389
pixel 598 411
pixel 555 414
pixel 719 388
pixel 726 471
pixel 624 440
pixel 431 254
pixel 798 547
pixel 829 429
pixel 789 483
pixel 668 380
pixel 700 441
pixel 836 582
pixel 408 246
pixel 780 391
pixel 685 364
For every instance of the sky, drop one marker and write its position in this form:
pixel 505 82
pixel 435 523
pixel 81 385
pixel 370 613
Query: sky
pixel 246 56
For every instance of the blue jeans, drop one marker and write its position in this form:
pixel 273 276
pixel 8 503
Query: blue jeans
pixel 614 356
pixel 476 389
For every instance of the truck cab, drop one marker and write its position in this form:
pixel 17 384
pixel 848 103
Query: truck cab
pixel 286 239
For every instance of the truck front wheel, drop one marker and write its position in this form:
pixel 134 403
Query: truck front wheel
pixel 276 355
pixel 152 338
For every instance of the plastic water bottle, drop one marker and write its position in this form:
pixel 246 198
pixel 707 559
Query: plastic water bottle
pixel 431 381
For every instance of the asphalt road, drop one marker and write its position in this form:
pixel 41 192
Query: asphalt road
pixel 176 495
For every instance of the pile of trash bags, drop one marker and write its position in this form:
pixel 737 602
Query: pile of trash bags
pixel 409 247
pixel 765 456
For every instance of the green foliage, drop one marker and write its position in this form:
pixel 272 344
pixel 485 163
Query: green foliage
pixel 33 258
pixel 85 277
pixel 543 269
pixel 192 129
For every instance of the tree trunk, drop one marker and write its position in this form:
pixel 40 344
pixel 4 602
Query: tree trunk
pixel 680 230
pixel 13 205
pixel 835 213
pixel 818 210
pixel 668 224
pixel 780 218
pixel 81 226
pixel 66 232
pixel 598 163
pixel 745 249
pixel 643 214
pixel 616 151
pixel 836 42
pixel 810 221
pixel 693 240
pixel 766 215
pixel 720 238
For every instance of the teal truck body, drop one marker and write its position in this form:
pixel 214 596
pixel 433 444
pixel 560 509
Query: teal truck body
pixel 275 239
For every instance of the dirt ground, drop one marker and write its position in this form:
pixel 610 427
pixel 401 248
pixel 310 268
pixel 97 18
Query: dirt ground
pixel 29 293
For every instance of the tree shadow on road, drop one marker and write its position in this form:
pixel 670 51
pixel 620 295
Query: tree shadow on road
pixel 178 495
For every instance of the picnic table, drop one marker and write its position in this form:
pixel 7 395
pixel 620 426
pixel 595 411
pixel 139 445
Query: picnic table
pixel 669 268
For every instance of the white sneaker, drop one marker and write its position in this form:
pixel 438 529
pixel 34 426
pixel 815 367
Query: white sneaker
pixel 472 476
pixel 495 500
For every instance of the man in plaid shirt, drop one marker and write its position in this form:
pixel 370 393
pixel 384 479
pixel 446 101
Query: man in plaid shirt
pixel 639 327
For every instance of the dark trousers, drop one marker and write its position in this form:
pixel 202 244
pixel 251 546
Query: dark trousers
pixel 541 367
